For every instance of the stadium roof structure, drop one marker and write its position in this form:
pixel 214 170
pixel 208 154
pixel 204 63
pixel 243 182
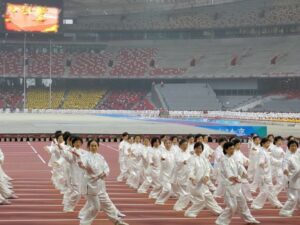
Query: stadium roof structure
pixel 116 7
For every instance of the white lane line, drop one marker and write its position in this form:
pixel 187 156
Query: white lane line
pixel 107 146
pixel 123 211
pixel 148 219
pixel 34 150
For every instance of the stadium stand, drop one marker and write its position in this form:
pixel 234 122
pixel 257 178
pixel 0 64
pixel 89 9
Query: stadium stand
pixel 233 102
pixel 11 98
pixel 210 58
pixel 125 100
pixel 189 96
pixel 39 98
pixel 82 98
pixel 238 14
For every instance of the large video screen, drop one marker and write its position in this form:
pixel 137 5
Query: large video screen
pixel 32 17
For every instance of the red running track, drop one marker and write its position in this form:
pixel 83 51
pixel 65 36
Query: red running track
pixel 40 203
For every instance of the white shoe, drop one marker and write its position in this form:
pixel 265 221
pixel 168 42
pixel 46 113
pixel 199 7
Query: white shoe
pixel 190 215
pixel 285 215
pixel 121 215
pixel 255 207
pixel 254 221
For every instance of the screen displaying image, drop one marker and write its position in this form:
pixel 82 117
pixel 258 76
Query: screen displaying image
pixel 31 18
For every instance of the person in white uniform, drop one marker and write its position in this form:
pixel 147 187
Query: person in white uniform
pixel 218 155
pixel 146 154
pixel 292 172
pixel 6 191
pixel 201 197
pixel 123 153
pixel 93 187
pixel 76 173
pixel 264 176
pixel 181 175
pixel 155 165
pixel 57 177
pixel 134 159
pixel 240 158
pixel 145 173
pixel 253 157
pixel 232 173
pixel 167 158
pixel 278 154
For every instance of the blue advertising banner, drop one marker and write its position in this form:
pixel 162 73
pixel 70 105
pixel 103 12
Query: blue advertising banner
pixel 240 130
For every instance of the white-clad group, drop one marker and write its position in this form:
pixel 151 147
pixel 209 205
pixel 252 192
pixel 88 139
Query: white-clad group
pixel 191 171
pixel 6 188
pixel 80 173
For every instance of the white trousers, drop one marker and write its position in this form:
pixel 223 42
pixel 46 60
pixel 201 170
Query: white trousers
pixel 166 191
pixel 291 203
pixel 184 198
pixel 90 210
pixel 266 193
pixel 202 198
pixel 234 202
pixel 124 170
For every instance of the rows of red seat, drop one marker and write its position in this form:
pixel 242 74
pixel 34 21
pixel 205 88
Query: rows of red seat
pixel 10 99
pixel 125 100
pixel 128 62
pixel 133 61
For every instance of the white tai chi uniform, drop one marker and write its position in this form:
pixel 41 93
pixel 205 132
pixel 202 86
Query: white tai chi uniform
pixel 135 168
pixel 252 167
pixel 218 155
pixel 233 197
pixel 95 191
pixel 166 172
pixel 253 154
pixel 201 197
pixel 240 158
pixel 57 177
pixel 208 153
pixel 76 179
pixel 154 160
pixel 123 157
pixel 278 155
pixel 5 185
pixel 90 188
pixel 293 168
pixel 264 177
pixel 147 180
pixel 180 179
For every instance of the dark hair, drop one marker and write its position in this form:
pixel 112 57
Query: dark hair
pixel 289 138
pixel 76 138
pixel 58 134
pixel 277 138
pixel 226 146
pixel 189 136
pixel 198 136
pixel 270 135
pixel 173 137
pixel 263 141
pixel 153 140
pixel 292 142
pixel 236 141
pixel 92 140
pixel 125 134
pixel 198 144
pixel 162 136
pixel 182 141
pixel 221 139
pixel 255 137
pixel 66 136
